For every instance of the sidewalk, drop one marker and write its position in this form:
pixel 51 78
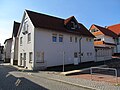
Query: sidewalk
pixel 76 81
pixel 80 82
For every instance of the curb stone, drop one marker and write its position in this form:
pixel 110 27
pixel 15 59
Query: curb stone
pixel 66 82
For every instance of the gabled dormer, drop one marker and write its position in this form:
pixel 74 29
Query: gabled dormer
pixel 71 23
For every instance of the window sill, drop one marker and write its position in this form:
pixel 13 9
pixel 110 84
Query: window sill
pixel 29 42
pixel 30 61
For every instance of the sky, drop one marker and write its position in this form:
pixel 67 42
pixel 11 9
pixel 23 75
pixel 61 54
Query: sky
pixel 87 12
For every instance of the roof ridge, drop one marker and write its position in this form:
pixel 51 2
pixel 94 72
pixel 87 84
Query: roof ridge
pixel 113 25
pixel 103 30
pixel 44 14
pixel 16 22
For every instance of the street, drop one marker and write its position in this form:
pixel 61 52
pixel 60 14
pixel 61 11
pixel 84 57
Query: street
pixel 11 79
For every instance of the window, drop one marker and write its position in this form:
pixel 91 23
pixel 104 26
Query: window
pixel 90 39
pixel 90 54
pixel 20 40
pixel 24 56
pixel 94 30
pixel 87 53
pixel 73 26
pixel 60 38
pixel 70 39
pixel 25 27
pixel 97 39
pixel 42 57
pixel 20 58
pixel 75 39
pixel 54 37
pixel 29 37
pixel 87 39
pixel 30 56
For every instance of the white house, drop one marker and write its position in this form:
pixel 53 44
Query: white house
pixel 105 42
pixel 7 49
pixel 116 29
pixel 14 48
pixel 1 52
pixel 45 41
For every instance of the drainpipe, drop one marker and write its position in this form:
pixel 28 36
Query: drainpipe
pixel 80 48
pixel 96 55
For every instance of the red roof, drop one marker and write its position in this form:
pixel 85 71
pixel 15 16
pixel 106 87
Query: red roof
pixel 54 23
pixel 115 28
pixel 106 31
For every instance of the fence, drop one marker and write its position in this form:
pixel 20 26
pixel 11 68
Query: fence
pixel 104 71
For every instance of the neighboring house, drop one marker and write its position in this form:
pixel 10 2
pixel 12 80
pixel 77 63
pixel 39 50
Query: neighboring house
pixel 46 41
pixel 1 53
pixel 7 49
pixel 116 29
pixel 105 42
pixel 14 48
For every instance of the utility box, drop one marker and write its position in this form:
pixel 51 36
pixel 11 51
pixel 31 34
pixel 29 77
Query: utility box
pixel 75 58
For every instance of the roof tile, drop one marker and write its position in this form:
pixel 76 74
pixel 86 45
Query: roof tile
pixel 49 22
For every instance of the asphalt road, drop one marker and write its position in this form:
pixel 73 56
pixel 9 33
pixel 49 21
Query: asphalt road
pixel 11 79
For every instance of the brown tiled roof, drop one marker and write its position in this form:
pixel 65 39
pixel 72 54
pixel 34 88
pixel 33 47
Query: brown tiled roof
pixel 15 28
pixel 67 20
pixel 105 31
pixel 49 22
pixel 115 28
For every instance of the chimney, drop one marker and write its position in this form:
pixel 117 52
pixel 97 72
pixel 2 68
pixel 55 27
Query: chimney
pixel 105 26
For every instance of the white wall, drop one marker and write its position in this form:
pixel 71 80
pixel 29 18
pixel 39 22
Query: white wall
pixel 41 41
pixel 53 51
pixel 26 46
pixel 118 46
pixel 14 50
pixel 109 39
pixel 7 49
pixel 105 38
pixel 103 54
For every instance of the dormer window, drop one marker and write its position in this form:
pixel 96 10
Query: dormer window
pixel 73 25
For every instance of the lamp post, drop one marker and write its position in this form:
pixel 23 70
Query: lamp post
pixel 80 48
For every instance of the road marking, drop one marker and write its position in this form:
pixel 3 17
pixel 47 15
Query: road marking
pixel 7 75
pixel 17 82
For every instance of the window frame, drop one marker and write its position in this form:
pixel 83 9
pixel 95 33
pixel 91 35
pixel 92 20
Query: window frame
pixel 29 37
pixel 73 25
pixel 21 40
pixel 24 56
pixel 54 38
pixel 30 57
pixel 76 39
pixel 60 38
pixel 71 39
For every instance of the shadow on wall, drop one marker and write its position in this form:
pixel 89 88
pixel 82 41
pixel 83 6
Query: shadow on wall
pixel 10 82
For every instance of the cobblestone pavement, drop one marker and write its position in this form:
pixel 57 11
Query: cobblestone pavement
pixel 11 79
pixel 77 81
